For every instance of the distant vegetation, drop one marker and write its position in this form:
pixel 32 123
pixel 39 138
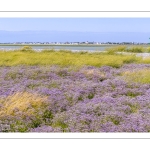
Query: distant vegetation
pixel 134 49
pixel 26 49
pixel 27 56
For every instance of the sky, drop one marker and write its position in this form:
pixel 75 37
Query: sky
pixel 74 29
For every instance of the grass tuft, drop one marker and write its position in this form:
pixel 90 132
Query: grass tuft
pixel 139 76
pixel 27 103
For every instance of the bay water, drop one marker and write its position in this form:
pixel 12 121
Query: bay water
pixel 65 47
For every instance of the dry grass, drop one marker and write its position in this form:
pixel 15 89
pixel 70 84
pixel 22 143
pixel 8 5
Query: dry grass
pixel 27 103
pixel 91 72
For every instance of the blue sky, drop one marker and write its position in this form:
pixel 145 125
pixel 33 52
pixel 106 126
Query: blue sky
pixel 75 29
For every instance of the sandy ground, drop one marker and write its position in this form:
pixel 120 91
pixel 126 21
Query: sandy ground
pixel 144 55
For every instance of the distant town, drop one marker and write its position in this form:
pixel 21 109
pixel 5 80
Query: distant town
pixel 76 43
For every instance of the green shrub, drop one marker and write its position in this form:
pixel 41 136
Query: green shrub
pixel 113 50
pixel 26 49
pixel 135 49
pixel 147 50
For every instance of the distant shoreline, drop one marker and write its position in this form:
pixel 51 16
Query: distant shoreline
pixel 74 45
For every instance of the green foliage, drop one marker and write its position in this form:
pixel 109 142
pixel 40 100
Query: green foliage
pixel 132 49
pixel 140 76
pixel 32 85
pixel 148 50
pixel 136 50
pixel 53 85
pixel 65 58
pixel 47 115
pixel 61 124
pixel 80 98
pixel 115 121
pixel 36 122
pixel 91 95
pixel 134 107
pixel 26 49
pixel 20 126
pixel 11 75
pixel 113 50
pixel 131 94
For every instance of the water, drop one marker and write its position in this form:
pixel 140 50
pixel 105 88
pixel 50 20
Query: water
pixel 59 47
pixel 64 47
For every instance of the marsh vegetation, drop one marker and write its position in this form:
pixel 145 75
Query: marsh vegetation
pixel 63 91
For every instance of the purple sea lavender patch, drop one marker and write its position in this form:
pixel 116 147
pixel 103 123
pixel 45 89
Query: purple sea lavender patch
pixel 43 128
pixel 79 102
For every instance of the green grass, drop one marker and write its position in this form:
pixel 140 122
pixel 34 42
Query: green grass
pixel 140 76
pixel 27 56
pixel 113 50
pixel 132 49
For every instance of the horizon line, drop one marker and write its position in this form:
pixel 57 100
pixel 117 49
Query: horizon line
pixel 76 31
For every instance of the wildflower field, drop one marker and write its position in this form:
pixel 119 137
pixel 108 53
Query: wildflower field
pixel 73 92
